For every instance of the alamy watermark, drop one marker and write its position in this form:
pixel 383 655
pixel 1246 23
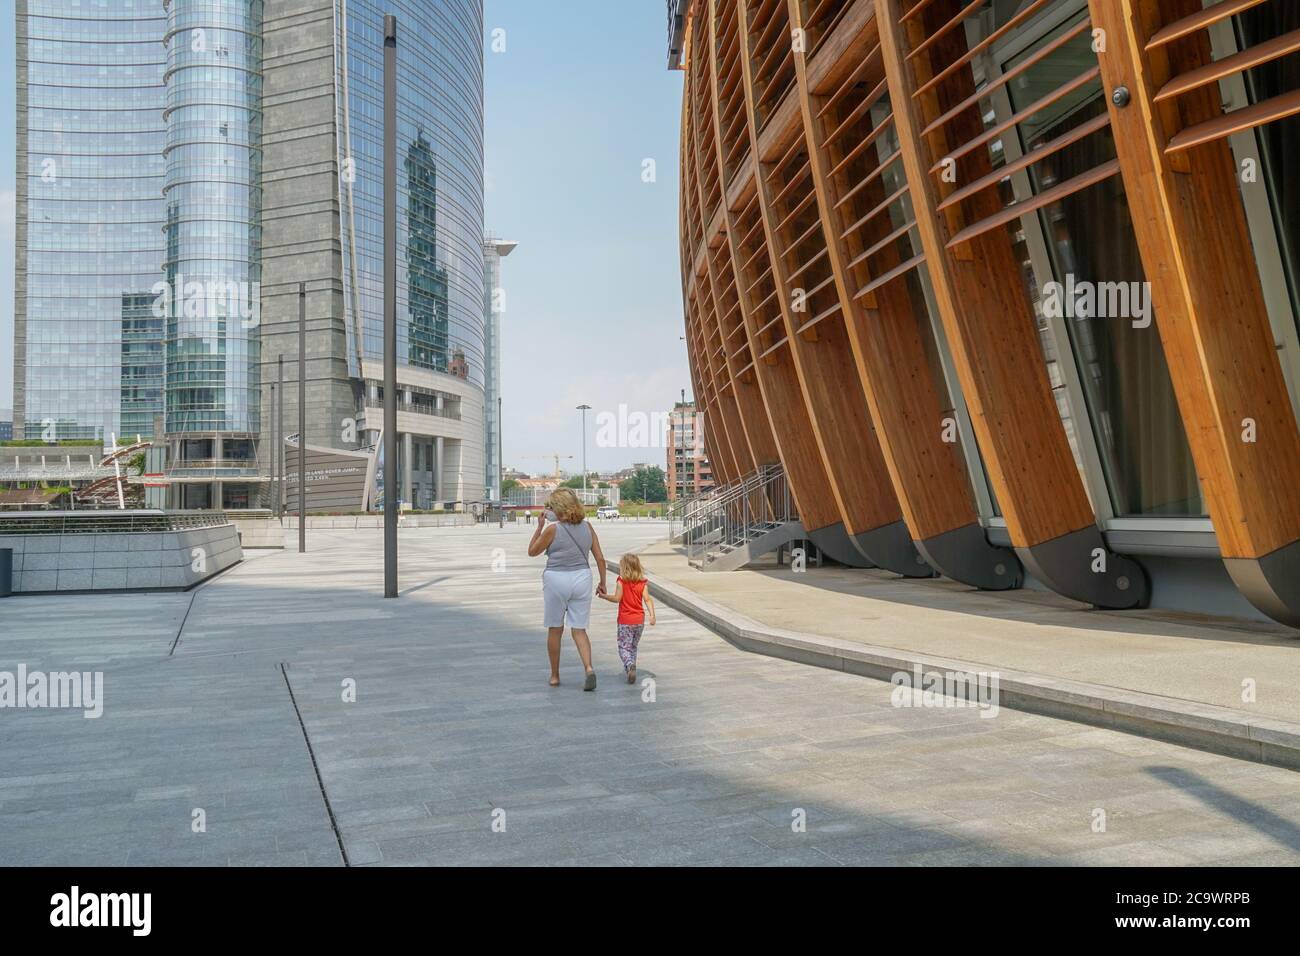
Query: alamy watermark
pixel 1081 299
pixel 624 428
pixel 75 908
pixel 922 688
pixel 70 690
pixel 210 299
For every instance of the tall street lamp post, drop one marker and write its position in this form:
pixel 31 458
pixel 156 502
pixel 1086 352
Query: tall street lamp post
pixel 302 417
pixel 277 453
pixel 681 465
pixel 501 472
pixel 584 409
pixel 391 505
pixel 275 480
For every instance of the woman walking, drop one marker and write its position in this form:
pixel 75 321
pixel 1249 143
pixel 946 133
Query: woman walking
pixel 568 543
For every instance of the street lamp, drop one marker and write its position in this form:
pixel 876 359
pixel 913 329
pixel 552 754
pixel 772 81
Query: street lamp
pixel 392 505
pixel 681 482
pixel 302 417
pixel 501 465
pixel 584 409
pixel 277 454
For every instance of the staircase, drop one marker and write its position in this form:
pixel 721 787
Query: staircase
pixel 730 526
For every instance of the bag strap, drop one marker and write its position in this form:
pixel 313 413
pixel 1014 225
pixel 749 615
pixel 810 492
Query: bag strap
pixel 585 551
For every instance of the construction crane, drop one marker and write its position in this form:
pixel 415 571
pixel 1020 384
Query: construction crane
pixel 556 456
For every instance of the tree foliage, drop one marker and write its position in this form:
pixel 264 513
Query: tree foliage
pixel 646 484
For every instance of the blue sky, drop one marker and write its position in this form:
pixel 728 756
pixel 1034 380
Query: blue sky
pixel 576 103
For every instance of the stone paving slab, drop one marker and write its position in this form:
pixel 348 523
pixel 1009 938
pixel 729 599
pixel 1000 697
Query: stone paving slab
pixel 842 612
pixel 453 720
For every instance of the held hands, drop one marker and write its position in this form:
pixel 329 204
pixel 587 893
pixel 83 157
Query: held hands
pixel 600 590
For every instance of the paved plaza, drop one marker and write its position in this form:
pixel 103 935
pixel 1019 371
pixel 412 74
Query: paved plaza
pixel 230 706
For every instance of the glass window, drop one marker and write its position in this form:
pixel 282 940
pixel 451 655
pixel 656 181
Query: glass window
pixel 1091 253
pixel 1279 142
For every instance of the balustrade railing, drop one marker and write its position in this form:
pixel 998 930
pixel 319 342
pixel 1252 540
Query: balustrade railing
pixel 735 514
pixel 107 521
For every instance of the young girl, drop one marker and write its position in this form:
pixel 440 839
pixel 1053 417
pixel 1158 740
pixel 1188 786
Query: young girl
pixel 633 604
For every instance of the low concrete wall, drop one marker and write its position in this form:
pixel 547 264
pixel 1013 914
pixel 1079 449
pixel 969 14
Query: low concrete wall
pixel 258 531
pixel 125 561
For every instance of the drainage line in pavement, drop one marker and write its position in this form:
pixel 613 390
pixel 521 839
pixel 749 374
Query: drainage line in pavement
pixel 194 592
pixel 334 823
pixel 172 650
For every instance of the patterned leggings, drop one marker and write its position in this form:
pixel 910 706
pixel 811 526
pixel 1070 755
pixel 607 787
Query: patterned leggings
pixel 629 635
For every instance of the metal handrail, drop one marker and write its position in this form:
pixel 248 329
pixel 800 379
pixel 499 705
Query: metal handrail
pixel 108 521
pixel 695 507
pixel 416 408
pixel 681 511
pixel 208 464
pixel 51 473
pixel 738 514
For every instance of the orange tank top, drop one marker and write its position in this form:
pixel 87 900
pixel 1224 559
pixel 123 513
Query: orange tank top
pixel 631 608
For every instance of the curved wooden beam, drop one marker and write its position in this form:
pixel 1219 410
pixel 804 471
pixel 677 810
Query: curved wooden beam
pixel 989 325
pixel 748 426
pixel 888 343
pixel 718 441
pixel 1209 303
pixel 725 414
pixel 825 377
pixel 718 438
pixel 776 379
pixel 684 237
pixel 751 414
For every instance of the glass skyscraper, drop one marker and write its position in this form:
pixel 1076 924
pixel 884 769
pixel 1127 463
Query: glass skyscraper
pixel 91 144
pixel 440 314
pixel 440 179
pixel 185 167
pixel 213 199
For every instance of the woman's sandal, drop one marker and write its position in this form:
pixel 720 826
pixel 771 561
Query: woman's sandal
pixel 590 683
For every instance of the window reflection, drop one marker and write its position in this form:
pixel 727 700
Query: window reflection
pixel 439 183
pixel 1089 236
pixel 1279 142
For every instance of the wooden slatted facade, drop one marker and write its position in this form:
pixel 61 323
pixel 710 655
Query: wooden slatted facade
pixel 879 201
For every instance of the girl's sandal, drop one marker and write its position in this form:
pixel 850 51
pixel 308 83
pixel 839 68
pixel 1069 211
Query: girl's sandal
pixel 631 675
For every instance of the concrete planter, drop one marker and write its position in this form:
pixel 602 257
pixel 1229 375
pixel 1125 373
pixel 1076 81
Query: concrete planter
pixel 142 560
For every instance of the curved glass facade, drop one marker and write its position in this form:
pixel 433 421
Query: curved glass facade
pixel 213 203
pixel 91 136
pixel 439 181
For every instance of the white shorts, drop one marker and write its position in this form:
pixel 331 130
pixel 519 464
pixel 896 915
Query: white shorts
pixel 567 593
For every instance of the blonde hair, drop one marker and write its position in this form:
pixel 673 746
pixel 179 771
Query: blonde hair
pixel 566 506
pixel 629 568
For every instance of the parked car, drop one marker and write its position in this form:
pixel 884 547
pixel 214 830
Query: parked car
pixel 607 511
